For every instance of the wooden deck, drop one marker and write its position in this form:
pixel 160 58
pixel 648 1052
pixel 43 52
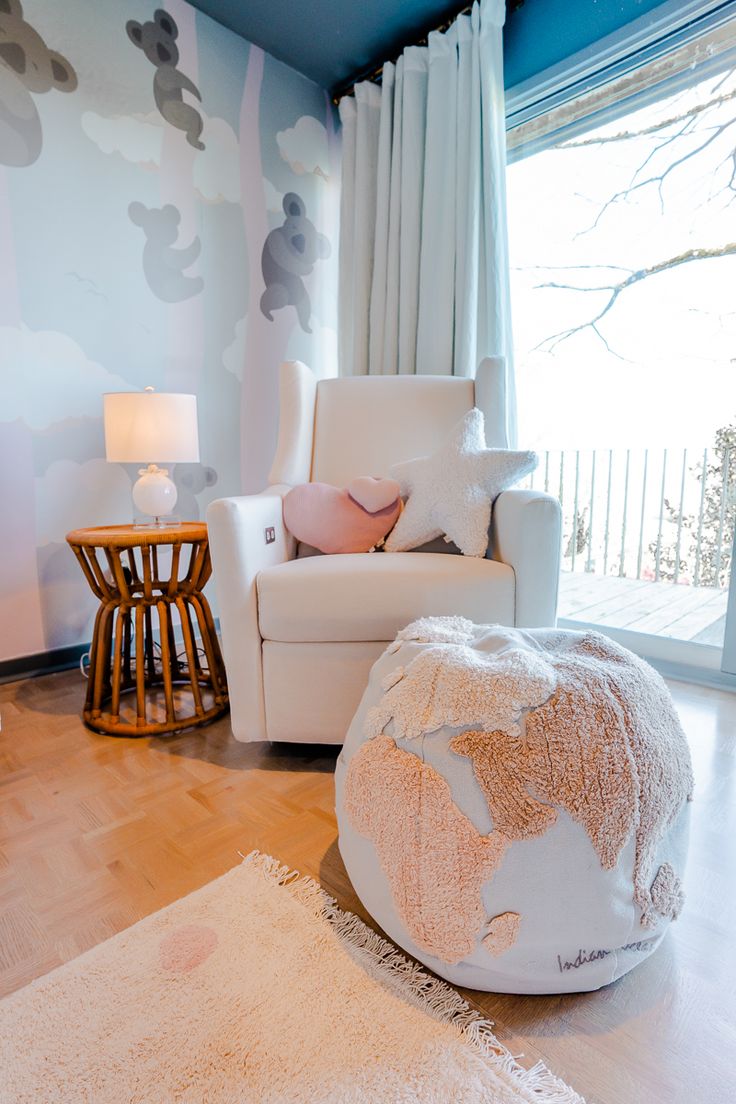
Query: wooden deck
pixel 683 612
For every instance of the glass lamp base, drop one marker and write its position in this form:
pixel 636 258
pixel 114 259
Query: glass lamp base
pixel 164 521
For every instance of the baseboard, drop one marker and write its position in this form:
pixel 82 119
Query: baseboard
pixel 42 663
pixel 701 676
pixel 58 659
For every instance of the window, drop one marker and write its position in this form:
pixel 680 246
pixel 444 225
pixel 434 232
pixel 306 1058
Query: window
pixel 622 227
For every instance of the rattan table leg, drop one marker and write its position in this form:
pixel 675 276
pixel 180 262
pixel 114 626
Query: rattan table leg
pixel 92 660
pixel 140 668
pixel 164 629
pixel 150 654
pixel 99 671
pixel 210 645
pixel 117 666
pixel 191 660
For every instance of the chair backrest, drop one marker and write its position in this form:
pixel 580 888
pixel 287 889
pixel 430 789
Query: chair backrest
pixel 361 425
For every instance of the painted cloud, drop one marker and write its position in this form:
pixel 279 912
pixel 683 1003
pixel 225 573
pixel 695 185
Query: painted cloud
pixel 234 355
pixel 72 496
pixel 274 198
pixel 139 140
pixel 48 378
pixel 319 350
pixel 304 147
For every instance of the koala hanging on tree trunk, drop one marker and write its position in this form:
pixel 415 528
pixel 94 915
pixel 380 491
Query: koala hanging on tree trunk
pixel 289 253
pixel 27 66
pixel 156 39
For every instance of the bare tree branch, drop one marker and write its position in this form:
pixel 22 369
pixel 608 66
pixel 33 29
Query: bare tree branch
pixel 659 179
pixel 686 133
pixel 570 268
pixel 617 289
pixel 663 136
pixel 654 128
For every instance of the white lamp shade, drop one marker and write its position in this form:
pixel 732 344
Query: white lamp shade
pixel 146 426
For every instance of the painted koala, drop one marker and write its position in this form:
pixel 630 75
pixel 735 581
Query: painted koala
pixel 26 65
pixel 190 480
pixel 289 253
pixel 163 266
pixel 156 39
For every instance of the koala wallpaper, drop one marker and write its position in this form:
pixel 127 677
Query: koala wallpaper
pixel 168 217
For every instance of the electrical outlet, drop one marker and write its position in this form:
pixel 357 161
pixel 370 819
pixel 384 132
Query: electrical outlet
pixel 270 534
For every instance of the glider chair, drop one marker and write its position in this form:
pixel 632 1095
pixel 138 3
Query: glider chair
pixel 301 631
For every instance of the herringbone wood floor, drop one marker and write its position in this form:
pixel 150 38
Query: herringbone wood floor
pixel 97 832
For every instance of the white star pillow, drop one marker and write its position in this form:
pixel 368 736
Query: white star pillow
pixel 451 491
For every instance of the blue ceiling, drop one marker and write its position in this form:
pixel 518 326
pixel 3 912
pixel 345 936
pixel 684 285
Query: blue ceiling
pixel 331 41
pixel 335 41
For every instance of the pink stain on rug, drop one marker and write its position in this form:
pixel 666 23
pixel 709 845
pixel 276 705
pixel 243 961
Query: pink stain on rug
pixel 185 948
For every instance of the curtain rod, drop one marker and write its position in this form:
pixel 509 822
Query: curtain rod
pixel 374 74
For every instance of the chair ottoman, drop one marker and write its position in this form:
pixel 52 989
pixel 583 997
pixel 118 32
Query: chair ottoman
pixel 512 805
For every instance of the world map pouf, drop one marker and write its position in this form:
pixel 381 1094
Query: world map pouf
pixel 512 805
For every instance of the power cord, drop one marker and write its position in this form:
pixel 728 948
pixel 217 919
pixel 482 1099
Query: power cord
pixel 180 657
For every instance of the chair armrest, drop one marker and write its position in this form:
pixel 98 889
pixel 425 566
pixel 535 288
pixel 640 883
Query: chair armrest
pixel 526 533
pixel 237 536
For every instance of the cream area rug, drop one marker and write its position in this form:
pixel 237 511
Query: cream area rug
pixel 255 989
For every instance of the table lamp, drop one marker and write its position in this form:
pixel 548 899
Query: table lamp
pixel 141 426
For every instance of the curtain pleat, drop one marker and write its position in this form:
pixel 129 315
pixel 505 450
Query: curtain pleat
pixel 346 284
pixel 379 287
pixel 495 319
pixel 411 192
pixel 358 220
pixel 436 318
pixel 390 352
pixel 468 212
pixel 423 249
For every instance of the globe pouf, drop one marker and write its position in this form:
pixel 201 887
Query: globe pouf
pixel 512 805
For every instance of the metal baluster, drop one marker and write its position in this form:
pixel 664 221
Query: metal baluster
pixel 562 490
pixel 679 517
pixel 608 513
pixel 589 563
pixel 575 509
pixel 696 579
pixel 641 520
pixel 722 516
pixel 661 516
pixel 623 520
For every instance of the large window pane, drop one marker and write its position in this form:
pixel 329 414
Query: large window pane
pixel 623 252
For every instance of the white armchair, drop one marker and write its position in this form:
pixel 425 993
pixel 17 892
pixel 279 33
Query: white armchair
pixel 300 632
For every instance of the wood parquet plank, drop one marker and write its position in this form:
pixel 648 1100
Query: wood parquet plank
pixel 97 832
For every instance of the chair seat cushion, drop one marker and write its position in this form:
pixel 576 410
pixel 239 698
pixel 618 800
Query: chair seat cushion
pixel 371 596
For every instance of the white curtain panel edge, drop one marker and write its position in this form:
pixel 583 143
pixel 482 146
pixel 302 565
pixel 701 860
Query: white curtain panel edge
pixel 424 279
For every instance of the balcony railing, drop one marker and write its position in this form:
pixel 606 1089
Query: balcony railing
pixel 643 514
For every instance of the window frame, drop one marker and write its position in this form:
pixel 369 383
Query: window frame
pixel 639 64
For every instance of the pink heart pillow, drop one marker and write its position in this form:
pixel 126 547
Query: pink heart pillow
pixel 334 521
pixel 372 493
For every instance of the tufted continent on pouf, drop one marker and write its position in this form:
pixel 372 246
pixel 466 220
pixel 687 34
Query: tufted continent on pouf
pixel 512 805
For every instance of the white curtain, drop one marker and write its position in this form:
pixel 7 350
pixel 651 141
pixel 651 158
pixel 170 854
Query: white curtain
pixel 423 248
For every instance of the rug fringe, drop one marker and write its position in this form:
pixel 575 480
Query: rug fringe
pixel 423 989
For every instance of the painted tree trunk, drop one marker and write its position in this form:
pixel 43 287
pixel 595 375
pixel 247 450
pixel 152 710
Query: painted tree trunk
pixel 266 341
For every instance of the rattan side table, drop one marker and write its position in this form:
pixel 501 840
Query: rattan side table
pixel 144 605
